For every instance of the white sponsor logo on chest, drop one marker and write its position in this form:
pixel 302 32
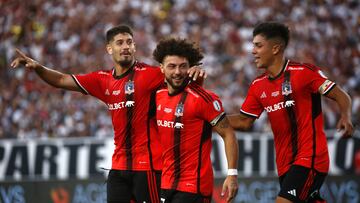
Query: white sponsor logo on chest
pixel 279 106
pixel 169 124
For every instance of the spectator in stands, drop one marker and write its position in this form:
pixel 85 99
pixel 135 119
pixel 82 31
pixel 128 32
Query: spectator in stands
pixel 56 30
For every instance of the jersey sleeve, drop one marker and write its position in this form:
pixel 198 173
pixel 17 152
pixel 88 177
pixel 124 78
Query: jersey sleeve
pixel 317 81
pixel 211 109
pixel 90 84
pixel 251 106
pixel 157 78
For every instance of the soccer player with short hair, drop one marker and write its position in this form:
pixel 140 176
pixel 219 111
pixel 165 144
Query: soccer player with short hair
pixel 185 115
pixel 128 90
pixel 290 92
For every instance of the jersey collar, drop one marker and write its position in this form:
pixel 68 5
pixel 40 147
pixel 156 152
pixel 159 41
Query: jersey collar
pixel 117 77
pixel 281 72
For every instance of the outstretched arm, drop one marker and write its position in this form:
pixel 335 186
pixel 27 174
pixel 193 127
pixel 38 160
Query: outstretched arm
pixel 52 77
pixel 232 150
pixel 343 100
pixel 241 121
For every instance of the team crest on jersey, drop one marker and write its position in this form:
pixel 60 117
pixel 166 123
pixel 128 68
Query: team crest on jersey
pixel 217 105
pixel 129 87
pixel 286 88
pixel 179 110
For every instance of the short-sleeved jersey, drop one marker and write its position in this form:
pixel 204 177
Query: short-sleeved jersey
pixel 184 124
pixel 129 99
pixel 293 103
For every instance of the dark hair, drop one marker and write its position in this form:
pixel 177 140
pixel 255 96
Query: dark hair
pixel 178 47
pixel 272 30
pixel 110 34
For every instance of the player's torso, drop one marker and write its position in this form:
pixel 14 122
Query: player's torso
pixel 129 94
pixel 272 94
pixel 172 115
pixel 128 99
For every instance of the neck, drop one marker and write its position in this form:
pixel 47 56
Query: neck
pixel 121 69
pixel 276 67
pixel 173 91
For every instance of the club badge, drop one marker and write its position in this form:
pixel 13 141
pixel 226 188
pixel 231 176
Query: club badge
pixel 286 88
pixel 179 110
pixel 129 87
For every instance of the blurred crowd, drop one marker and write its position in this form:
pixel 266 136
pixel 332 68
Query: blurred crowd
pixel 68 35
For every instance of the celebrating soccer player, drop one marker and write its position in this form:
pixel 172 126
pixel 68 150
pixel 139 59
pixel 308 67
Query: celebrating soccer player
pixel 128 90
pixel 290 93
pixel 185 115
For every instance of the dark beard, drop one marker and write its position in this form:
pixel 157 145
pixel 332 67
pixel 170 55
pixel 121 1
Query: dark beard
pixel 181 87
pixel 126 63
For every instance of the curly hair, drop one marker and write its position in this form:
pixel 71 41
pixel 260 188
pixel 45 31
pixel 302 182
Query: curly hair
pixel 178 47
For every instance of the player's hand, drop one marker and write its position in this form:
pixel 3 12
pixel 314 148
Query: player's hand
pixel 345 126
pixel 230 187
pixel 24 60
pixel 196 72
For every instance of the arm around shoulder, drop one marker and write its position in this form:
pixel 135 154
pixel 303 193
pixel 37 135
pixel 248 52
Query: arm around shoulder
pixel 241 121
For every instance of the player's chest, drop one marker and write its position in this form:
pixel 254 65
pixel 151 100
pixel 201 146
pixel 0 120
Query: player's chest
pixel 122 94
pixel 280 94
pixel 172 113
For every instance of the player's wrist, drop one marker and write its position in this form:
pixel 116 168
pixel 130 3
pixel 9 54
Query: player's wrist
pixel 232 172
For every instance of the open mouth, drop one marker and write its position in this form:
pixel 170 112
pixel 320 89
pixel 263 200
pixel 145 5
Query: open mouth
pixel 125 54
pixel 178 79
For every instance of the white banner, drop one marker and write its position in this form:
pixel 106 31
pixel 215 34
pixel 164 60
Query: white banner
pixel 82 158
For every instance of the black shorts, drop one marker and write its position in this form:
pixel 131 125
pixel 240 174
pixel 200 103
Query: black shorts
pixel 139 186
pixel 175 196
pixel 301 184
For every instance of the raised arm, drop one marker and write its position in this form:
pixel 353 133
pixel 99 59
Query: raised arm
pixel 52 77
pixel 224 129
pixel 241 121
pixel 343 100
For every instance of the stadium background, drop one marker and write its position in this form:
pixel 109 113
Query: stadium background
pixel 53 142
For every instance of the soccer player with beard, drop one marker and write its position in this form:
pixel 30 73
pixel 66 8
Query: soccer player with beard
pixel 185 115
pixel 128 89
pixel 290 93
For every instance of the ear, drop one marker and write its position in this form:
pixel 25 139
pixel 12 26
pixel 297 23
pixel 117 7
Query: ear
pixel 276 49
pixel 162 67
pixel 109 49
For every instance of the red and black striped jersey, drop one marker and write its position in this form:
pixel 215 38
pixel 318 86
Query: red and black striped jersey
pixel 129 98
pixel 293 103
pixel 185 123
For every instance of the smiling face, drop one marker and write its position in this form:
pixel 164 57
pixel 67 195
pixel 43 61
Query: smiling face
pixel 175 69
pixel 122 49
pixel 266 50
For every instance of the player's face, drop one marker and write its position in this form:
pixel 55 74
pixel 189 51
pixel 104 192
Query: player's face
pixel 262 51
pixel 122 49
pixel 175 69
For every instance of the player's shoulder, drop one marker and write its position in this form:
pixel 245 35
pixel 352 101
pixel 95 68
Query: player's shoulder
pixel 304 67
pixel 200 93
pixel 260 78
pixel 140 66
pixel 101 73
pixel 307 69
pixel 162 90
